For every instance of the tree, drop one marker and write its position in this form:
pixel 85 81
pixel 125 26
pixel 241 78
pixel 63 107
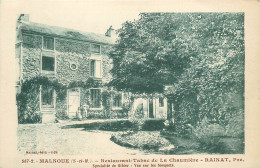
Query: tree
pixel 213 84
pixel 200 54
pixel 146 56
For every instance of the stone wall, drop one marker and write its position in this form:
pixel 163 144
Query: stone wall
pixel 67 53
pixel 106 67
pixel 17 66
pixel 31 56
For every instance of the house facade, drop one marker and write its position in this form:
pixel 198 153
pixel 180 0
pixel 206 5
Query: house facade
pixel 69 57
pixel 152 108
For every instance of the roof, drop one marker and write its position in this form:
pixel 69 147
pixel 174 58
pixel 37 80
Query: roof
pixel 56 31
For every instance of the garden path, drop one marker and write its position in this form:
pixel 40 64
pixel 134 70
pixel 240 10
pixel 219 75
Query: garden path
pixel 51 137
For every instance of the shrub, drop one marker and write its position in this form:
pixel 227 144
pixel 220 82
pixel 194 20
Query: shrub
pixel 153 125
pixel 182 145
pixel 209 136
pixel 61 116
pixel 121 125
pixel 235 127
pixel 138 118
pixel 28 100
pixel 141 140
pixel 28 108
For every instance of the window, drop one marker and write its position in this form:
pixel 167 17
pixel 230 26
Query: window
pixel 48 63
pixel 161 102
pixel 95 48
pixel 48 43
pixel 117 100
pixel 95 96
pixel 73 66
pixel 95 68
pixel 47 97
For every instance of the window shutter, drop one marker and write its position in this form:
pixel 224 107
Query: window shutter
pixel 98 69
pixel 92 68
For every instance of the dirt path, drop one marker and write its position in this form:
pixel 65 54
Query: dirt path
pixel 51 137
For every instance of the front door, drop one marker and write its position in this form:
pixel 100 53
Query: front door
pixel 73 102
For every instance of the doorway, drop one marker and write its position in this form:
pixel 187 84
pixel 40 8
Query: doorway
pixel 73 102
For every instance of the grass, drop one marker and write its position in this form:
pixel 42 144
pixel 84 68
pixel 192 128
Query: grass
pixel 224 145
pixel 118 125
pixel 115 125
pixel 152 137
pixel 183 145
pixel 159 142
pixel 232 145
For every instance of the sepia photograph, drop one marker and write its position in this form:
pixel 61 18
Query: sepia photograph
pixel 168 83
pixel 96 85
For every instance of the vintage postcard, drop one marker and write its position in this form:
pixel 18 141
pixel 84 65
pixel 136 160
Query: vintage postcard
pixel 156 84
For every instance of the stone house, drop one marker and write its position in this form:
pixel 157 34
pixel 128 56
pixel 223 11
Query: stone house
pixel 152 108
pixel 68 56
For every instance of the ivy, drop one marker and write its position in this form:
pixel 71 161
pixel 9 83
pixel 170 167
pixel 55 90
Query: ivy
pixel 28 98
pixel 106 101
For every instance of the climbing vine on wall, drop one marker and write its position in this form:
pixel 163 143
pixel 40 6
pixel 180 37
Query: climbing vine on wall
pixel 28 99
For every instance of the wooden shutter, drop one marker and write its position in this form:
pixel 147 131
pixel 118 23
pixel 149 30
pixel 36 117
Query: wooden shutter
pixel 98 68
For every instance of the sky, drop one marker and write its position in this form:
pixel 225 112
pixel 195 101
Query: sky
pixel 98 15
pixel 86 16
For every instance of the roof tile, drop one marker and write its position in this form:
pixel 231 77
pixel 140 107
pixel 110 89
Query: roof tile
pixel 66 33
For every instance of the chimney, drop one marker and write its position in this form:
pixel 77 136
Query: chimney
pixel 24 17
pixel 110 32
